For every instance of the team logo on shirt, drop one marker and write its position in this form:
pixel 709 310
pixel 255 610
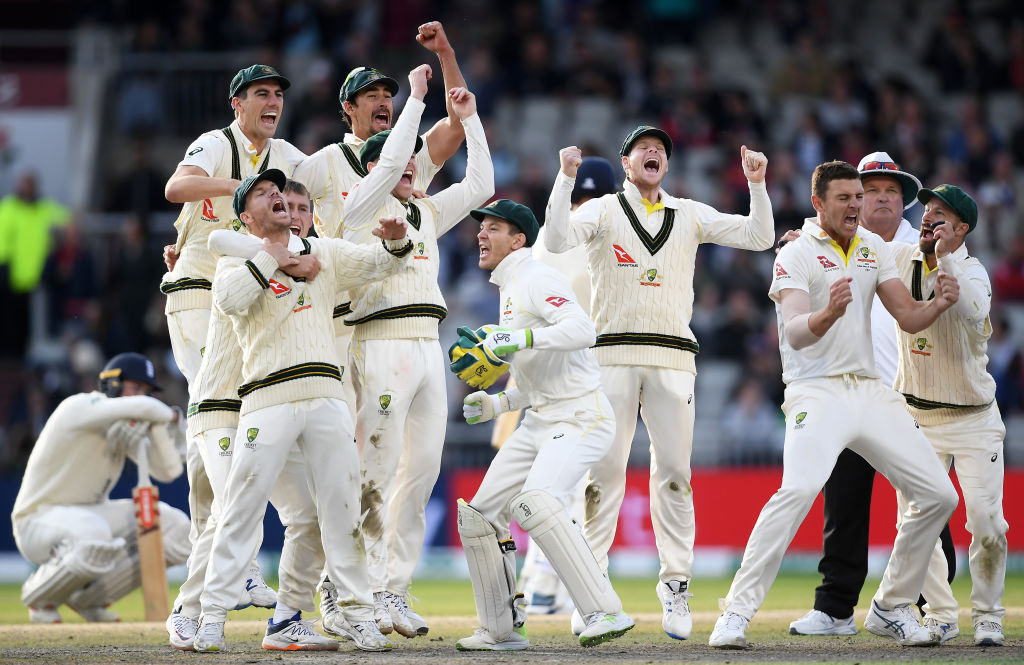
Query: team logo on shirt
pixel 826 263
pixel 302 304
pixel 508 307
pixel 650 277
pixel 867 258
pixel 250 434
pixel 279 289
pixel 622 258
pixel 385 402
pixel 780 271
pixel 800 417
pixel 236 225
pixel 202 351
pixel 208 214
pixel 421 251
pixel 919 346
pixel 224 444
pixel 557 301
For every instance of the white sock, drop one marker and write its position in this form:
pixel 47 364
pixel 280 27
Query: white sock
pixel 283 612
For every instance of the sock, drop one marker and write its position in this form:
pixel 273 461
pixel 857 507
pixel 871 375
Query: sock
pixel 284 613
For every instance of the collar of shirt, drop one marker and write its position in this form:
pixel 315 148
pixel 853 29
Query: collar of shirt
pixel 959 254
pixel 812 229
pixel 245 145
pixel 353 140
pixel 634 198
pixel 504 270
pixel 905 232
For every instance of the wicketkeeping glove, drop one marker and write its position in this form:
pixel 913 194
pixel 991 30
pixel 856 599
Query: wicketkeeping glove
pixel 477 365
pixel 503 341
pixel 481 407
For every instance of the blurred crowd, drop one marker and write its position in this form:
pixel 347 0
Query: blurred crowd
pixel 936 85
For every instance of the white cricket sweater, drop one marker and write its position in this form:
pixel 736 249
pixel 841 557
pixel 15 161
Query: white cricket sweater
pixel 188 285
pixel 641 265
pixel 943 370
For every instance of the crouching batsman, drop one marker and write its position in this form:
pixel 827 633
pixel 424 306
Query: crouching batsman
pixel 543 336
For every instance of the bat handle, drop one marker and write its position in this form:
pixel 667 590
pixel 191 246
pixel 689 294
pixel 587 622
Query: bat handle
pixel 142 462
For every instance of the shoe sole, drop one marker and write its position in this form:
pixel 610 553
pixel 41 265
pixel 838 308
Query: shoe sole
pixel 988 642
pixel 366 647
pixel 409 634
pixel 794 631
pixel 677 637
pixel 517 647
pixel 594 640
pixel 209 649
pixel 731 645
pixel 300 647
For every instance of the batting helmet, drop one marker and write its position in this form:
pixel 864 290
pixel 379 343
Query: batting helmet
pixel 132 366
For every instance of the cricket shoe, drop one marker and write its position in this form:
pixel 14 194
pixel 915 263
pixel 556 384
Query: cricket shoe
pixel 365 634
pixel 260 594
pixel 209 637
pixel 900 624
pixel 944 631
pixel 988 634
pixel 817 622
pixel 45 614
pixel 405 621
pixel 381 613
pixel 482 640
pixel 604 627
pixel 329 607
pixel 730 632
pixel 675 619
pixel 181 630
pixel 296 634
pixel 576 623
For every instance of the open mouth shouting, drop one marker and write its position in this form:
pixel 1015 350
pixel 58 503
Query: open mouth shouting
pixel 268 120
pixel 652 166
pixel 381 119
pixel 485 250
pixel 406 178
pixel 278 207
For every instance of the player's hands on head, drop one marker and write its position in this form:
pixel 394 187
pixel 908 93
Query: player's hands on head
pixel 418 81
pixel 390 228
pixel 755 164
pixel 170 256
pixel 840 295
pixel 431 35
pixel 284 258
pixel 947 290
pixel 570 159
pixel 308 267
pixel 125 436
pixel 463 101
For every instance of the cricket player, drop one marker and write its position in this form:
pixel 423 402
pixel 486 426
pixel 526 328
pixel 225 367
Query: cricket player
pixel 823 287
pixel 544 592
pixel 888 191
pixel 64 520
pixel 569 425
pixel 291 394
pixel 205 180
pixel 641 245
pixel 943 376
pixel 397 363
pixel 212 423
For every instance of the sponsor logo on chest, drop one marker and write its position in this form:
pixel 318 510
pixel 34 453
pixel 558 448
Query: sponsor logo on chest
pixel 623 259
pixel 280 290
pixel 827 264
pixel 208 214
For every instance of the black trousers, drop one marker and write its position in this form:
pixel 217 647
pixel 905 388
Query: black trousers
pixel 844 564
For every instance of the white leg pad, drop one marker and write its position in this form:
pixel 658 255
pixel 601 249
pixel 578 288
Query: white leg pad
pixel 492 569
pixel 548 523
pixel 72 566
pixel 109 588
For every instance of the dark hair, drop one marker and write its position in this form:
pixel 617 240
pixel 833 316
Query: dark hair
pixel 829 171
pixel 296 187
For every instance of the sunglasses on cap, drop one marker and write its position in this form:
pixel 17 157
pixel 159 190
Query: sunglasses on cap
pixel 887 166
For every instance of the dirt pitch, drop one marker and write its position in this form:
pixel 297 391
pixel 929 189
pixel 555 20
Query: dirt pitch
pixel 551 643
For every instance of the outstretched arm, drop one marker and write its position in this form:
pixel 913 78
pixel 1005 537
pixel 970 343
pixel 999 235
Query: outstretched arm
pixel 444 138
pixel 565 231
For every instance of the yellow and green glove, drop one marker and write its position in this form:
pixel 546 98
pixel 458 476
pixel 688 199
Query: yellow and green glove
pixel 473 362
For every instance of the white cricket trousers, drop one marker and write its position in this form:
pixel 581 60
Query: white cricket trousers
pixel 302 555
pixel 551 450
pixel 666 401
pixel 187 329
pixel 264 445
pixel 823 417
pixel 974 446
pixel 402 409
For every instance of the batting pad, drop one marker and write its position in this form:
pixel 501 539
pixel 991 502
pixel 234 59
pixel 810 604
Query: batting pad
pixel 72 566
pixel 494 579
pixel 111 587
pixel 559 537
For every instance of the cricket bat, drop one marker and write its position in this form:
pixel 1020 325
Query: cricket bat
pixel 152 568
pixel 505 423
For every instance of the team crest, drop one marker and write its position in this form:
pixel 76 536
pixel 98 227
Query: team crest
pixel 251 434
pixel 800 417
pixel 864 252
pixel 225 443
pixel 419 248
pixel 202 351
pixel 236 225
pixel 650 277
pixel 921 347
pixel 302 303
pixel 421 251
pixel 385 401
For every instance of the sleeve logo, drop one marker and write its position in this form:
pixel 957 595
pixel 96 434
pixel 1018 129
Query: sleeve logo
pixel 780 271
pixel 557 301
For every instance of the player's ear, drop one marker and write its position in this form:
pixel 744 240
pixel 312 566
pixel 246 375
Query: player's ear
pixel 818 204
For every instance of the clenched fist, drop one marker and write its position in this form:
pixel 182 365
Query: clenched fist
pixel 570 158
pixel 418 81
pixel 431 36
pixel 754 164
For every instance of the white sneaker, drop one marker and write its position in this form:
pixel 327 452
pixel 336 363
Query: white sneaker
pixel 381 613
pixel 46 614
pixel 260 594
pixel 481 640
pixel 209 636
pixel 817 622
pixel 577 623
pixel 944 631
pixel 329 607
pixel 405 621
pixel 296 634
pixel 365 634
pixel 99 614
pixel 675 618
pixel 181 630
pixel 730 632
pixel 988 634
pixel 900 624
pixel 603 627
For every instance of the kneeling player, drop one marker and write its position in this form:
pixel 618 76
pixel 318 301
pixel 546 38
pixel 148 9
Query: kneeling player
pixel 568 426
